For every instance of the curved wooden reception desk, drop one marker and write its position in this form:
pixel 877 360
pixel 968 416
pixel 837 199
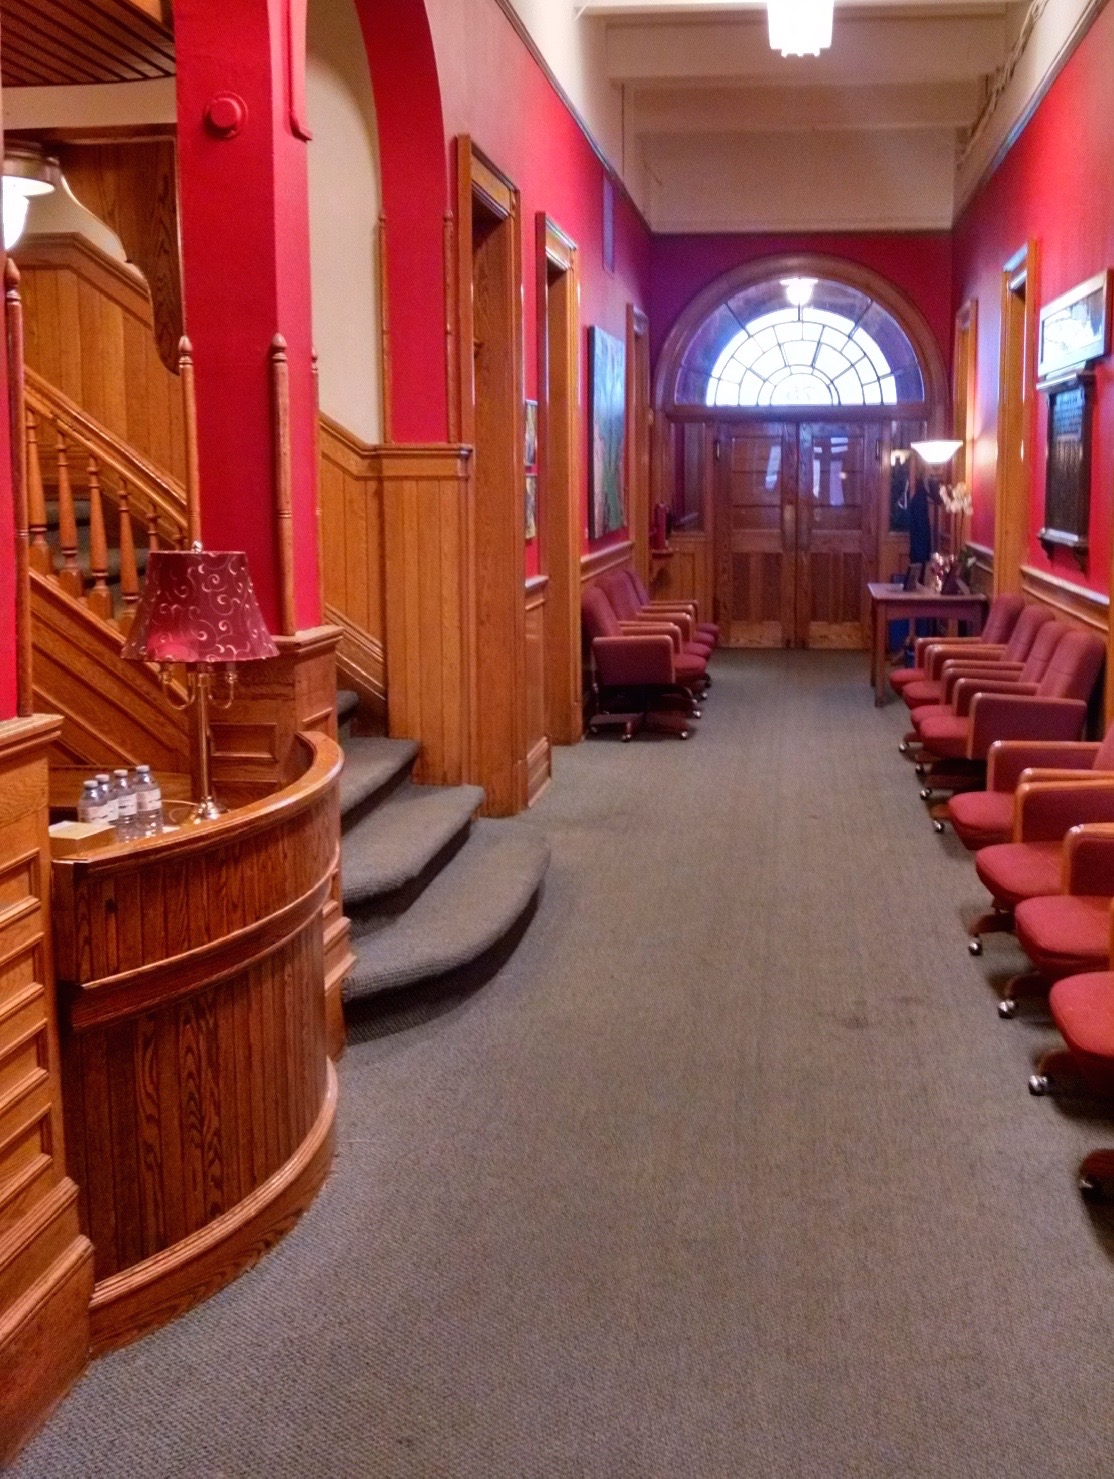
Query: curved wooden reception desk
pixel 198 1096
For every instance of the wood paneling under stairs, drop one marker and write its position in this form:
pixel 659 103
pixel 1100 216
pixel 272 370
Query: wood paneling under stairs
pixel 90 333
pixel 46 1265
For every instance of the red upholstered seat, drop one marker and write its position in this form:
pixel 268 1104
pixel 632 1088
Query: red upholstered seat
pixel 1065 934
pixel 1083 1009
pixel 1015 871
pixel 946 734
pixel 981 818
pixel 620 593
pixel 688 667
pixel 1049 635
pixel 705 631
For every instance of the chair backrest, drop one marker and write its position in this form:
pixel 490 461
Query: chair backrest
pixel 638 586
pixel 1104 760
pixel 1025 632
pixel 1048 638
pixel 621 594
pixel 597 616
pixel 1074 666
pixel 1002 618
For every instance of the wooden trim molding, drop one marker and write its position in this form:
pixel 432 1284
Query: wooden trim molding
pixel 46 1264
pixel 598 562
pixel 1075 603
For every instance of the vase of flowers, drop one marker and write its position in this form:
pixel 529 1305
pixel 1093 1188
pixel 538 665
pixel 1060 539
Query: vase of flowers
pixel 957 504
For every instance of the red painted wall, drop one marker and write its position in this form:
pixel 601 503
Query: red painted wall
pixel 919 263
pixel 1054 186
pixel 493 90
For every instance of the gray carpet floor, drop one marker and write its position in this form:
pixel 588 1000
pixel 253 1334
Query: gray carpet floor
pixel 731 1170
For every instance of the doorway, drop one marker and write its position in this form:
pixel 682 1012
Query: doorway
pixel 1015 398
pixel 797 517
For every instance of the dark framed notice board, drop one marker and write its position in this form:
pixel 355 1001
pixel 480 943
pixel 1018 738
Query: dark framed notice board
pixel 1067 491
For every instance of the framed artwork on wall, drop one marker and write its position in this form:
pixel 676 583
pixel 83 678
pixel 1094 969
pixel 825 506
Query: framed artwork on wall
pixel 607 396
pixel 1075 328
pixel 1067 488
pixel 531 505
pixel 531 424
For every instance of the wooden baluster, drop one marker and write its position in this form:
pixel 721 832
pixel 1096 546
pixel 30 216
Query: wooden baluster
pixel 17 414
pixel 193 475
pixel 100 597
pixel 129 571
pixel 70 577
pixel 42 556
pixel 284 501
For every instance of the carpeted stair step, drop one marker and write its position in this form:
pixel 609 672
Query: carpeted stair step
pixel 347 704
pixel 471 905
pixel 372 765
pixel 392 845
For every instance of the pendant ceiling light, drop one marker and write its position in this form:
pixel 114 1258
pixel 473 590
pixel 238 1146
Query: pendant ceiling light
pixel 800 27
pixel 27 172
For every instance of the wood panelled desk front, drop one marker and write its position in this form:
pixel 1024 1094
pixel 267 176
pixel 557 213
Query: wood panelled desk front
pixel 198 1095
pixel 894 603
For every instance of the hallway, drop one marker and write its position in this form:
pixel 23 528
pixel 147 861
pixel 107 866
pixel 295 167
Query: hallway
pixel 731 1171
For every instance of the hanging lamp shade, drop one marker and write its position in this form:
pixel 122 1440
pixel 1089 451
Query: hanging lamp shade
pixel 198 606
pixel 800 27
pixel 27 172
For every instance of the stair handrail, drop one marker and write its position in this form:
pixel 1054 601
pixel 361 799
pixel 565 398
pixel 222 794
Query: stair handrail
pixel 151 490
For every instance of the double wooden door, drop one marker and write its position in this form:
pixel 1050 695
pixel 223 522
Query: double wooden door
pixel 797 510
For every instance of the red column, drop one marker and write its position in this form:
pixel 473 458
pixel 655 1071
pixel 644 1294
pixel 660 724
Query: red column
pixel 246 266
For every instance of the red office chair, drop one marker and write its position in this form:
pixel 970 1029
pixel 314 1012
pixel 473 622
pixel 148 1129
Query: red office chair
pixel 991 677
pixel 641 676
pixel 1054 708
pixel 983 818
pixel 706 631
pixel 620 592
pixel 1012 651
pixel 1000 622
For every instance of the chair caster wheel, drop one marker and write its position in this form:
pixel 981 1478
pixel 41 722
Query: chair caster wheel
pixel 903 747
pixel 1007 1009
pixel 684 734
pixel 974 945
pixel 919 768
pixel 627 738
pixel 938 827
pixel 1039 1085
pixel 1090 1189
pixel 926 793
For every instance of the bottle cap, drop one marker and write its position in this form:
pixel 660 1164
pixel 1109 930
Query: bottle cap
pixel 103 776
pixel 120 772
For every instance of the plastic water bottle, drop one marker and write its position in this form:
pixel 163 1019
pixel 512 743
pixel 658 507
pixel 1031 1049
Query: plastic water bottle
pixel 108 797
pixel 92 805
pixel 127 807
pixel 148 796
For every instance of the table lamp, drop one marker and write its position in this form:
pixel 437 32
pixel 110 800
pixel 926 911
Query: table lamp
pixel 198 608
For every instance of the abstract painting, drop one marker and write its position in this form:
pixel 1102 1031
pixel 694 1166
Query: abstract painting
pixel 531 505
pixel 607 394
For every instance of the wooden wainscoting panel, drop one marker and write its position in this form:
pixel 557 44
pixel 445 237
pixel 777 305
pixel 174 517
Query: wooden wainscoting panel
pixel 90 332
pixel 1072 603
pixel 982 571
pixel 539 765
pixel 45 1262
pixel 353 559
pixel 426 494
pixel 686 575
pixel 199 1098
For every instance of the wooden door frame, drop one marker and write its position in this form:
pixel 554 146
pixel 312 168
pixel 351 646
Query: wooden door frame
pixel 560 516
pixel 639 416
pixel 1016 360
pixel 495 539
pixel 965 387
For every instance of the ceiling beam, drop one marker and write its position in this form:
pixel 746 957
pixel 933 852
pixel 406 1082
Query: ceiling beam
pixel 685 110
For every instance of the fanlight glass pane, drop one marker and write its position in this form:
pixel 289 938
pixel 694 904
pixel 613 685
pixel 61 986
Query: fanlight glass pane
pixel 840 349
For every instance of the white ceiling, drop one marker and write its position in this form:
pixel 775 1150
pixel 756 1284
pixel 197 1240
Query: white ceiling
pixel 720 132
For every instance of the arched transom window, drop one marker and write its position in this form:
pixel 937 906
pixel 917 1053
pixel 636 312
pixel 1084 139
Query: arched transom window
pixel 800 342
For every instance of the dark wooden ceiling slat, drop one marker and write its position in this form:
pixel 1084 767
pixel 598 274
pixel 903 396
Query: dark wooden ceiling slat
pixel 51 42
pixel 30 60
pixel 94 15
pixel 76 64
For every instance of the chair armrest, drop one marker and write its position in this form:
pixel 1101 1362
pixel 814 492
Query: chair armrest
pixel 1002 716
pixel 678 616
pixel 970 649
pixel 1046 811
pixel 657 628
pixel 1009 758
pixel 623 662
pixel 993 672
pixel 967 689
pixel 1088 866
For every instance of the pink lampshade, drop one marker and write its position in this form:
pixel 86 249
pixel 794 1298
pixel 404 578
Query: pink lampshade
pixel 198 606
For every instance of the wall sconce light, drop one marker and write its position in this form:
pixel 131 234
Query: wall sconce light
pixel 937 452
pixel 800 27
pixel 27 172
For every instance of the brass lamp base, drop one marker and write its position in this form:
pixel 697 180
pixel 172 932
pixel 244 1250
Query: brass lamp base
pixel 205 811
pixel 200 679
